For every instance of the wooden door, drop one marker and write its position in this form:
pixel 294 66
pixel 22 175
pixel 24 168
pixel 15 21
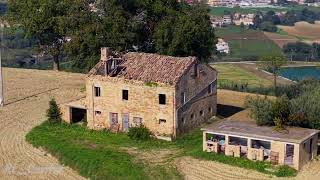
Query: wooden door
pixel 125 122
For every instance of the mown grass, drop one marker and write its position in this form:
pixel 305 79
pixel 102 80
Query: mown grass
pixel 231 73
pixel 100 154
pixel 97 154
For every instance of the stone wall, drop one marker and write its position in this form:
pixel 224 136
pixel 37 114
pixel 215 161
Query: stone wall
pixel 304 155
pixel 200 105
pixel 143 103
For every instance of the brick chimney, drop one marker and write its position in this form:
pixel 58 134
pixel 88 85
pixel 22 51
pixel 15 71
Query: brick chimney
pixel 105 53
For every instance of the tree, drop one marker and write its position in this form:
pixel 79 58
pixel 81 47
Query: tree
pixel 187 34
pixel 43 20
pixel 273 64
pixel 301 51
pixel 53 113
pixel 268 26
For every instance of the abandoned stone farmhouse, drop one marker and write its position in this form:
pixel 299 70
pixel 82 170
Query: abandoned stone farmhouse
pixel 168 95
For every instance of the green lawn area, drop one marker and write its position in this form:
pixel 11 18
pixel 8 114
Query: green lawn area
pixel 103 155
pixel 232 73
pixel 246 44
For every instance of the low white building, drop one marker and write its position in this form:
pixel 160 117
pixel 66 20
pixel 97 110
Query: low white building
pixel 222 46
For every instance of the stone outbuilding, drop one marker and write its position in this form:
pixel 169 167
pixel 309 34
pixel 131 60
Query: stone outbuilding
pixel 293 146
pixel 168 95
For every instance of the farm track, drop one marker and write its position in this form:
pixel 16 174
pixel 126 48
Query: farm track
pixel 193 169
pixel 27 94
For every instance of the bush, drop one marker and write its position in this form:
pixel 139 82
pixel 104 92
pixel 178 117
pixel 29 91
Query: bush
pixel 261 110
pixel 139 133
pixel 53 113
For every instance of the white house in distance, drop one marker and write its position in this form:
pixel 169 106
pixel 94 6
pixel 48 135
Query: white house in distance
pixel 222 46
pixel 245 19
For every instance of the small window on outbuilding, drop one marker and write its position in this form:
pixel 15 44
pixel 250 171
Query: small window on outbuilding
pixel 162 121
pixel 162 99
pixel 125 95
pixel 97 91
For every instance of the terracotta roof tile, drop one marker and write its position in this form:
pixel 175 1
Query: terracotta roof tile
pixel 152 67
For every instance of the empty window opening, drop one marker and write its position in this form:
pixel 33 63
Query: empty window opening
pixel 162 121
pixel 162 99
pixel 97 113
pixel 182 120
pixel 201 113
pixel 288 160
pixel 97 91
pixel 137 121
pixel 125 95
pixel 219 140
pixel 78 115
pixel 113 118
pixel 242 143
pixel 192 116
pixel 210 109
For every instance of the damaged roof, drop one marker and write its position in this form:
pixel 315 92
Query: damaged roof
pixel 150 67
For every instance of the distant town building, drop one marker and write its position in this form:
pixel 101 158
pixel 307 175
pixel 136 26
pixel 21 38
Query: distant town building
pixel 222 46
pixel 216 21
pixel 245 19
pixel 227 19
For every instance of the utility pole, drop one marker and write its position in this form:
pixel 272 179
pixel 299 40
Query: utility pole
pixel 1 75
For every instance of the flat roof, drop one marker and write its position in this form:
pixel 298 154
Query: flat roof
pixel 251 130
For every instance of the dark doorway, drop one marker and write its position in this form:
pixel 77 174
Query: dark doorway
pixel 288 159
pixel 78 115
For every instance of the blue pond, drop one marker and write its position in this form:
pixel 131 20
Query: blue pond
pixel 298 73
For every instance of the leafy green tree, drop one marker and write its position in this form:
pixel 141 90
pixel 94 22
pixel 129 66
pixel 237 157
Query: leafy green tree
pixel 307 105
pixel 53 113
pixel 261 109
pixel 273 64
pixel 187 34
pixel 42 19
pixel 268 26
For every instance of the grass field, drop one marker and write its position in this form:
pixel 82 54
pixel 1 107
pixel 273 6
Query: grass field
pixel 247 43
pixel 100 155
pixel 233 73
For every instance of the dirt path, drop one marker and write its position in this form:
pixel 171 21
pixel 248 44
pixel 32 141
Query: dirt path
pixel 27 93
pixel 193 169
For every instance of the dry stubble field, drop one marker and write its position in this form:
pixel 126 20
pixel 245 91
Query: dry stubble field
pixel 304 30
pixel 27 95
